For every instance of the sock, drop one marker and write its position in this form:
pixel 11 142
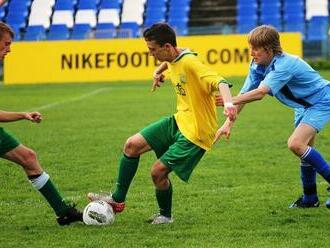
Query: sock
pixel 45 186
pixel 164 199
pixel 127 169
pixel 314 158
pixel 308 179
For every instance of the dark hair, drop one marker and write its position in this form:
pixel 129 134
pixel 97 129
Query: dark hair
pixel 4 28
pixel 162 33
pixel 266 36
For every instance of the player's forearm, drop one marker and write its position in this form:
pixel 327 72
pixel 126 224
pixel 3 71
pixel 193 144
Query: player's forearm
pixel 251 96
pixel 11 116
pixel 225 93
pixel 160 69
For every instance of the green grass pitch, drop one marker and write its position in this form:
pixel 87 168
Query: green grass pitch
pixel 238 196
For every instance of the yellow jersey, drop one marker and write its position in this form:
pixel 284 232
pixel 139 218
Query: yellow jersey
pixel 195 85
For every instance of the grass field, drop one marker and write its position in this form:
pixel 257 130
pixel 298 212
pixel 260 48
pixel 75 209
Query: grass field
pixel 238 195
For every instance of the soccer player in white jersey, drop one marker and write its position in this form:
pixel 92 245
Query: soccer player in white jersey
pixel 294 83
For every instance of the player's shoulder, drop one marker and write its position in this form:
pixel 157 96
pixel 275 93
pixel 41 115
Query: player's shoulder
pixel 285 58
pixel 286 61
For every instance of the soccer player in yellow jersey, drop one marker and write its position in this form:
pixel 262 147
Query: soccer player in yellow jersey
pixel 181 140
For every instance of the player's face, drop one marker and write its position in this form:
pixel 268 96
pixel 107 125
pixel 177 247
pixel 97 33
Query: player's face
pixel 261 56
pixel 161 53
pixel 5 43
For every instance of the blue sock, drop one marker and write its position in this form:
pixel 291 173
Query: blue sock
pixel 308 179
pixel 314 158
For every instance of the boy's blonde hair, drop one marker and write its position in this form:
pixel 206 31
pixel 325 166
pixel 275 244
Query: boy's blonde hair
pixel 267 37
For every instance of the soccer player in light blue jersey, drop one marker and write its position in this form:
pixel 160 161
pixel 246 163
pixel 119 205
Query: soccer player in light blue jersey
pixel 294 83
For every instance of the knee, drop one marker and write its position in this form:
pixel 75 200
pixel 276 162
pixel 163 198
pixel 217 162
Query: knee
pixel 130 148
pixel 155 175
pixel 159 177
pixel 296 146
pixel 29 158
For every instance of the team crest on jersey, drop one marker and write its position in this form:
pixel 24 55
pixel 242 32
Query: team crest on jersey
pixel 180 90
pixel 183 78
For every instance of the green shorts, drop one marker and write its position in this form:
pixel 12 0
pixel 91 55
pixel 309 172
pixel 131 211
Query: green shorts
pixel 173 149
pixel 7 142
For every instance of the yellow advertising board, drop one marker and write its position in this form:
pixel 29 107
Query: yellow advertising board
pixel 122 60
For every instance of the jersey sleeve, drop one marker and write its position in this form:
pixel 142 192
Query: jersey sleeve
pixel 206 75
pixel 252 81
pixel 276 79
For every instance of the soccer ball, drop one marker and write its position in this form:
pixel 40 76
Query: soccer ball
pixel 98 213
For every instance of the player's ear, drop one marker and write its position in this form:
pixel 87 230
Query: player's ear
pixel 167 45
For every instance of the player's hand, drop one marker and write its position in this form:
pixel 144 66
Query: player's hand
pixel 33 116
pixel 223 131
pixel 218 100
pixel 158 79
pixel 230 111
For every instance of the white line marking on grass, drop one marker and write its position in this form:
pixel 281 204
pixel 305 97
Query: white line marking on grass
pixel 75 99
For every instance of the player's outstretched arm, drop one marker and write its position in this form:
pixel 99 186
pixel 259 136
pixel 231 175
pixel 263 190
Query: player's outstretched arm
pixel 158 76
pixel 251 96
pixel 6 116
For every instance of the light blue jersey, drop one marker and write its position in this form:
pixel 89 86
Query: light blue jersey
pixel 296 84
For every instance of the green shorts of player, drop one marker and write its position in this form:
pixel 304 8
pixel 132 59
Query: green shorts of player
pixel 7 142
pixel 173 149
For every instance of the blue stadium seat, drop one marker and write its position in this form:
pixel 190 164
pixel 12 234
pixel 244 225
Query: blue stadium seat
pixel 156 4
pixel 58 32
pixel 149 22
pixel 88 4
pixel 17 30
pixel 105 31
pixel 18 10
pixel 247 9
pixel 129 30
pixel 294 18
pixel 293 7
pixel 64 5
pixel 295 27
pixel 152 17
pixel 80 32
pixel 16 20
pixel 182 12
pixel 155 9
pixel 26 3
pixel 180 26
pixel 246 21
pixel 35 33
pixel 270 1
pixel 274 20
pixel 178 3
pixel 245 27
pixel 317 28
pixel 268 9
pixel 110 4
pixel 246 2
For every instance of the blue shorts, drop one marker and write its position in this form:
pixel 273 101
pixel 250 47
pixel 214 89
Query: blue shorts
pixel 316 116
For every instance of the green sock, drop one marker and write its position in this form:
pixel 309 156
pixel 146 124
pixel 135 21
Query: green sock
pixel 164 199
pixel 127 169
pixel 54 198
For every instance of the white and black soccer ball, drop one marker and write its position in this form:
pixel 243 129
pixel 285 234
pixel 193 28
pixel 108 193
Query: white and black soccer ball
pixel 98 213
